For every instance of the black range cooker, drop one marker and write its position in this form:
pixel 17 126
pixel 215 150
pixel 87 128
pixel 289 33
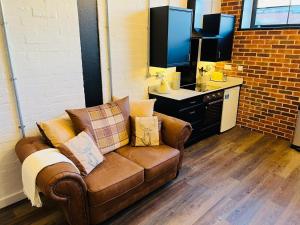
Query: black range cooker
pixel 204 111
pixel 210 117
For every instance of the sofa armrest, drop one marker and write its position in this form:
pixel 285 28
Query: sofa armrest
pixel 175 132
pixel 59 182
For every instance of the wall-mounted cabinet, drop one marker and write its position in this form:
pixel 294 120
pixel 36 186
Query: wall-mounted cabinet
pixel 218 31
pixel 170 36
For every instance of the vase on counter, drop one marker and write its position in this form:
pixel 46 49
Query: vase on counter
pixel 164 87
pixel 201 80
pixel 176 80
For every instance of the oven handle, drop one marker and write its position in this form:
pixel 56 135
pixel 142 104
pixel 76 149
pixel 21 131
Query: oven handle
pixel 215 102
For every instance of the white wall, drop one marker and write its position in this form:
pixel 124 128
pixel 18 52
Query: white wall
pixel 43 38
pixel 9 134
pixel 128 20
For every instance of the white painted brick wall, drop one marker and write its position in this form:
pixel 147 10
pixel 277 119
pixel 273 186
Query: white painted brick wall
pixel 44 40
pixel 128 30
pixel 128 44
pixel 9 135
pixel 45 45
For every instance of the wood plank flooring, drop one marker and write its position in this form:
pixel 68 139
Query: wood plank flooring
pixel 237 178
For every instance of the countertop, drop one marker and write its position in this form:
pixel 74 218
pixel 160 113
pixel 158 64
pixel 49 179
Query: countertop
pixel 182 94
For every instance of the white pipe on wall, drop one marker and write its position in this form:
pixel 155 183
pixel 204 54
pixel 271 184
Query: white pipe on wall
pixel 12 76
pixel 108 49
pixel 148 41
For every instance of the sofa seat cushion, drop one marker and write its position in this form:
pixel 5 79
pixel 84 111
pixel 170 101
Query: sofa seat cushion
pixel 114 177
pixel 156 160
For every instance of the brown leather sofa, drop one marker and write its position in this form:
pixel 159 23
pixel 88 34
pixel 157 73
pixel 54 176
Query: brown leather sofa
pixel 125 176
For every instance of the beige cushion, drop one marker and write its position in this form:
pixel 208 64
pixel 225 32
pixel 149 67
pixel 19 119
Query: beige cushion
pixel 140 108
pixel 107 123
pixel 58 130
pixel 156 160
pixel 113 178
pixel 145 131
pixel 83 152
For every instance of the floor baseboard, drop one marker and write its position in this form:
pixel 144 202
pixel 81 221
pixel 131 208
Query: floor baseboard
pixel 10 199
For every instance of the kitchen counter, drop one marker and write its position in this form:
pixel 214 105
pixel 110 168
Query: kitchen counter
pixel 182 94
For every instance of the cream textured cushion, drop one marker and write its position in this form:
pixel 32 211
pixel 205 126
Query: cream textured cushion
pixel 145 131
pixel 58 130
pixel 140 108
pixel 83 152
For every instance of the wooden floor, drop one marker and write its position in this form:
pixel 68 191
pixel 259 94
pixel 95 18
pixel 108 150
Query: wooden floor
pixel 239 178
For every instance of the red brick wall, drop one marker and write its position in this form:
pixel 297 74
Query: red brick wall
pixel 271 61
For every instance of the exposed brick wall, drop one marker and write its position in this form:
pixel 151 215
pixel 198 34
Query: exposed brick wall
pixel 271 61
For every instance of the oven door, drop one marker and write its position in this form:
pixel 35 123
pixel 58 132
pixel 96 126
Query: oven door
pixel 213 114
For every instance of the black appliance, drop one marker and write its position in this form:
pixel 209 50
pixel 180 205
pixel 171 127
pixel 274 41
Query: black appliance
pixel 211 115
pixel 188 73
pixel 204 112
pixel 170 36
pixel 216 42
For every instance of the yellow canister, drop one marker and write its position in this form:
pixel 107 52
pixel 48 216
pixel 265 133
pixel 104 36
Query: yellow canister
pixel 217 76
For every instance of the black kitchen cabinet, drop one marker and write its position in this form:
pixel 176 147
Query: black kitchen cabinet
pixel 217 40
pixel 170 36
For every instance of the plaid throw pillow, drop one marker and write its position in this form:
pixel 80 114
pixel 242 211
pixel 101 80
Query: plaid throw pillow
pixel 107 123
pixel 109 127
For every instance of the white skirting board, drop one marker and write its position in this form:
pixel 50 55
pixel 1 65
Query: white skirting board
pixel 10 199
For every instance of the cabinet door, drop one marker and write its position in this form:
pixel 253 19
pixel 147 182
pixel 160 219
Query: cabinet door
pixel 224 50
pixel 179 37
pixel 226 32
pixel 210 50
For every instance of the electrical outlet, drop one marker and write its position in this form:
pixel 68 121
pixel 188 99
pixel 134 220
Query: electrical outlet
pixel 240 68
pixel 227 67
